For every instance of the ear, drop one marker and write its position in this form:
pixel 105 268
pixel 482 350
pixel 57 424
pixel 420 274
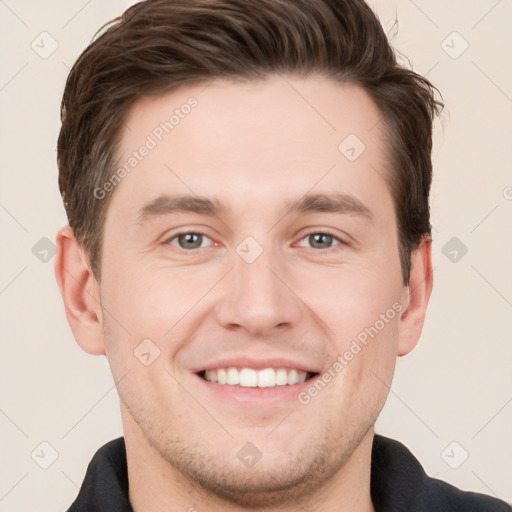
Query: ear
pixel 80 292
pixel 416 297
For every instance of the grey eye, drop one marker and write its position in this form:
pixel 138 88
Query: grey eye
pixel 321 240
pixel 189 240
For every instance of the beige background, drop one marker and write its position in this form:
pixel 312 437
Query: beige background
pixel 455 386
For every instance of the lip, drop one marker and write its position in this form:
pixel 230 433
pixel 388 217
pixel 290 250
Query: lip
pixel 257 364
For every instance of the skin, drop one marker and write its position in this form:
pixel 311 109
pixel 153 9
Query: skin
pixel 253 145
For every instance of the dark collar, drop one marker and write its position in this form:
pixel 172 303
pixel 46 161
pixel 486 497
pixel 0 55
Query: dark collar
pixel 398 484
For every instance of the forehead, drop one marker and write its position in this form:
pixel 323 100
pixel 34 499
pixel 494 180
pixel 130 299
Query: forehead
pixel 252 141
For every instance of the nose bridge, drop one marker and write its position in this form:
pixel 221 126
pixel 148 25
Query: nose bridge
pixel 256 296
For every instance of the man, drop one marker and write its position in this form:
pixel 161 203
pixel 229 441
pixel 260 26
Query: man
pixel 249 244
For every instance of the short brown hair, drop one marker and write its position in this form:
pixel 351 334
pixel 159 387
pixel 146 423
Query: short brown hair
pixel 157 45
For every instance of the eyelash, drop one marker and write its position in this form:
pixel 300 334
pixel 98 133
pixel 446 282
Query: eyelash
pixel 334 237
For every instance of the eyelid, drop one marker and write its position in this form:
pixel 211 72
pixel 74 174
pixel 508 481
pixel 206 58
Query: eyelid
pixel 317 231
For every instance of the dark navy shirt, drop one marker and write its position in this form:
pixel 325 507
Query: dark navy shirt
pixel 398 484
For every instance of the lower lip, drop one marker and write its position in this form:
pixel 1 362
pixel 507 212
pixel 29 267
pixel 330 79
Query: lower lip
pixel 261 396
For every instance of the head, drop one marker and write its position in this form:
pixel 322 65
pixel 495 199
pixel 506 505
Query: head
pixel 305 153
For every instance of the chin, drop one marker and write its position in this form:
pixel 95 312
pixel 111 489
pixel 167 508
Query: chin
pixel 263 487
pixel 275 480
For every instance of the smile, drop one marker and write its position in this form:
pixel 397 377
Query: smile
pixel 251 378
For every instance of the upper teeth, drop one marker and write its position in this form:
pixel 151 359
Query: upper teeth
pixel 248 377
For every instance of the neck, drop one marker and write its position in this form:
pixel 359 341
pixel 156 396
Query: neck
pixel 155 485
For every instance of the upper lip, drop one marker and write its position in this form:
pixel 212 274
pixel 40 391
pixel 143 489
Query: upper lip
pixel 257 364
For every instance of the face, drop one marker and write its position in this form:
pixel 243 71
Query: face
pixel 252 235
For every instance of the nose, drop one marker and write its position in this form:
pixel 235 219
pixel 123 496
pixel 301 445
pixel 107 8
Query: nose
pixel 259 296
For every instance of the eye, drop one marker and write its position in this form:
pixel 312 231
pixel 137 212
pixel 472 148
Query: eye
pixel 321 240
pixel 196 240
pixel 188 240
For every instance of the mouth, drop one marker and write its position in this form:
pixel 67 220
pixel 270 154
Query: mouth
pixel 253 378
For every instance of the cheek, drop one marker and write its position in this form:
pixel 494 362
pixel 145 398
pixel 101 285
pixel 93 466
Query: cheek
pixel 171 302
pixel 365 319
pixel 149 301
pixel 368 368
pixel 355 300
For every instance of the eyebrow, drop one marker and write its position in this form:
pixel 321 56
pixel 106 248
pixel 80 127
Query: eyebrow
pixel 331 203
pixel 310 203
pixel 166 205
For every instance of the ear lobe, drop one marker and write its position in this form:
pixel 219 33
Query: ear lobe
pixel 416 297
pixel 80 293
